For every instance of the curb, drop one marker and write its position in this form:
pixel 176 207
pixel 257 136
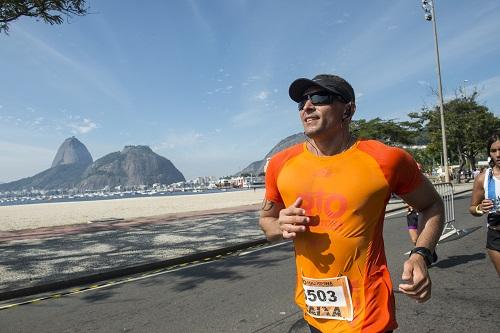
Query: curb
pixel 117 273
pixel 121 272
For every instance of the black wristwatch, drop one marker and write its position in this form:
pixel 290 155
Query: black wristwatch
pixel 424 252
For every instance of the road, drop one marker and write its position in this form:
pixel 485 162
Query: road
pixel 253 292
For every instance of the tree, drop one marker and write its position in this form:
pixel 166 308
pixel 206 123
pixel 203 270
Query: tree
pixel 47 10
pixel 388 131
pixel 468 126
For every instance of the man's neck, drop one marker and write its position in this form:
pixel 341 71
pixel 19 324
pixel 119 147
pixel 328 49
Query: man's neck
pixel 329 146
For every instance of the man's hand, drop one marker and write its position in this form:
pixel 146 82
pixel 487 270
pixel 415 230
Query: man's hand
pixel 418 282
pixel 292 220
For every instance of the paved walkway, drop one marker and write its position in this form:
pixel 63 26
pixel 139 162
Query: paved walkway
pixel 33 260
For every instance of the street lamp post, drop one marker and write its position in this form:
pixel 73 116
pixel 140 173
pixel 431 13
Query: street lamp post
pixel 430 15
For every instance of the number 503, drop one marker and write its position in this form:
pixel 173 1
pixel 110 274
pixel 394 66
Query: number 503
pixel 313 295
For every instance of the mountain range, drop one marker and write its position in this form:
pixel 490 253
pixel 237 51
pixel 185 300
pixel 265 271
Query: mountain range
pixel 257 167
pixel 74 168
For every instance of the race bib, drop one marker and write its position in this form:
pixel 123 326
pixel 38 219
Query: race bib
pixel 328 298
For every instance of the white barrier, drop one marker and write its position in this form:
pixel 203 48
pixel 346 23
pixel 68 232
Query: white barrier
pixel 445 190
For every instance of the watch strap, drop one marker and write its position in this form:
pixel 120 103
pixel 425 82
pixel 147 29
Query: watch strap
pixel 424 252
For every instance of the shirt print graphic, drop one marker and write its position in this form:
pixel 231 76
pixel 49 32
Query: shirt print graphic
pixel 324 208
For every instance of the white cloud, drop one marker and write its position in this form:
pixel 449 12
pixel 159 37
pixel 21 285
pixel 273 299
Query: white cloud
pixel 250 80
pixel 37 121
pixel 221 90
pixel 479 38
pixel 489 87
pixel 203 23
pixel 179 140
pixel 91 74
pixel 249 118
pixel 262 95
pixel 85 126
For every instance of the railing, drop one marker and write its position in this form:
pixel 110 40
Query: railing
pixel 445 190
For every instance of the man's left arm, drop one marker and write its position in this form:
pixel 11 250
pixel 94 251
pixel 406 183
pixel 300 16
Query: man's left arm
pixel 429 204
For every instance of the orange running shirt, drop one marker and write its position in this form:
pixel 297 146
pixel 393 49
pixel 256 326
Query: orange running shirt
pixel 345 195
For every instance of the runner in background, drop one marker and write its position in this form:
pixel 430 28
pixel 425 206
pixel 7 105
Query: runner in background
pixel 413 221
pixel 329 195
pixel 486 199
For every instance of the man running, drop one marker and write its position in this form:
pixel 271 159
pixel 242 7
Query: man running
pixel 329 195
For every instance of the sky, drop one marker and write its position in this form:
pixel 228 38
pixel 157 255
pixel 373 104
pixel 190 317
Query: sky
pixel 204 83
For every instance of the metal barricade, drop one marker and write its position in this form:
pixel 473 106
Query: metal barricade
pixel 445 190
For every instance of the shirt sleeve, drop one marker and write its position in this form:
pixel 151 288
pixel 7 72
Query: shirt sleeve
pixel 398 166
pixel 272 192
pixel 406 175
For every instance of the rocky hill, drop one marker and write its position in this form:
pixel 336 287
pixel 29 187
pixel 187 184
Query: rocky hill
pixel 257 167
pixel 72 151
pixel 72 168
pixel 68 166
pixel 133 166
pixel 64 176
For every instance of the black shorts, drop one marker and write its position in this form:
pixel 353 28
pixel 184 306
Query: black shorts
pixel 493 240
pixel 412 220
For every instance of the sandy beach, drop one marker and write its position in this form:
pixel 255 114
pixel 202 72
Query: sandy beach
pixel 32 216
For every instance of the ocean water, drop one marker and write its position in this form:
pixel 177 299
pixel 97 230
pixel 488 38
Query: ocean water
pixel 110 196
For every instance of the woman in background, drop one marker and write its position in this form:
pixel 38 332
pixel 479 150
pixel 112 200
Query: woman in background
pixel 486 199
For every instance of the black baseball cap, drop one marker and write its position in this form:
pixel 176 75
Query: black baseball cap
pixel 332 83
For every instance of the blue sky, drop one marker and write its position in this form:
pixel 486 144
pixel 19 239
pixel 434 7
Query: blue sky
pixel 205 83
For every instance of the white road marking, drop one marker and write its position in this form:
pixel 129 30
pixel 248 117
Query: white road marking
pixel 263 248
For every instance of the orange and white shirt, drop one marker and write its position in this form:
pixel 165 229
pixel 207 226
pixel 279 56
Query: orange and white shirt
pixel 343 284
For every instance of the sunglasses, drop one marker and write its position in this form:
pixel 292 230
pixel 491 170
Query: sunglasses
pixel 319 98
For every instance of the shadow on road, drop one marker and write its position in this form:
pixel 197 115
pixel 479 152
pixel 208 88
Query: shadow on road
pixel 227 269
pixel 459 260
pixel 462 233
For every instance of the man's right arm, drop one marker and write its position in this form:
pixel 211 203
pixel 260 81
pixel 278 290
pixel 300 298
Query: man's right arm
pixel 280 223
pixel 269 220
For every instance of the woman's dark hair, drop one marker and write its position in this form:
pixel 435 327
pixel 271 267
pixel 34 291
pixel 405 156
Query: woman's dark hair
pixel 495 136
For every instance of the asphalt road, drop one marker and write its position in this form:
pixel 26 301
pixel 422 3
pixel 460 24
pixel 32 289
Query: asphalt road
pixel 253 292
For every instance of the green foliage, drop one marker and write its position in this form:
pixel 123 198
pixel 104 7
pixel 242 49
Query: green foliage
pixel 388 131
pixel 427 159
pixel 467 126
pixel 48 11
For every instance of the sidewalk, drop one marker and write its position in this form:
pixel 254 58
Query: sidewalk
pixel 46 259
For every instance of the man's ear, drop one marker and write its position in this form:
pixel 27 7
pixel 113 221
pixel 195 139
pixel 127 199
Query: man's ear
pixel 350 108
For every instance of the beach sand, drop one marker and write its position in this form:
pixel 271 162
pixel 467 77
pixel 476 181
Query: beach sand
pixel 20 217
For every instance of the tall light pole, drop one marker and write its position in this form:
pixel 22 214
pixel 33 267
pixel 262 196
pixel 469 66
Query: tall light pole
pixel 430 15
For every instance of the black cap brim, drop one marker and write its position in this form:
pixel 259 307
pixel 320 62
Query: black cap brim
pixel 299 87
